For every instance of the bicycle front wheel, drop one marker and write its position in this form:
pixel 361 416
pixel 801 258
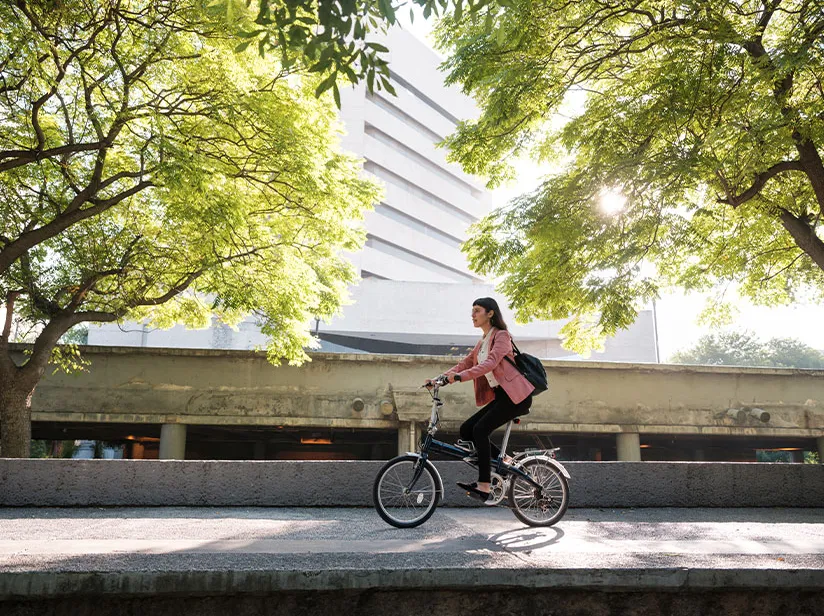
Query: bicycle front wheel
pixel 400 503
pixel 542 506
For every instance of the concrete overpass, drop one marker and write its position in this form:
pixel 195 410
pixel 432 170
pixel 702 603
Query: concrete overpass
pixel 178 389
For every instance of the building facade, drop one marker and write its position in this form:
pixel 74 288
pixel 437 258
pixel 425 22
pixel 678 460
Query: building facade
pixel 415 233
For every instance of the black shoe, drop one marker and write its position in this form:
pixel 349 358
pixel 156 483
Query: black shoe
pixel 473 491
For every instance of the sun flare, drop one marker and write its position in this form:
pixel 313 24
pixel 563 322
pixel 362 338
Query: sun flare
pixel 612 201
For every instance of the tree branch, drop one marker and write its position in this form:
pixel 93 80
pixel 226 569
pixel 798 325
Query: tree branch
pixel 87 285
pixel 14 250
pixel 24 157
pixel 11 297
pixel 760 180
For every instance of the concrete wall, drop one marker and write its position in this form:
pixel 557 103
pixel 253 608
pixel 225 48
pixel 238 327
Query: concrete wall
pixel 309 484
pixel 163 386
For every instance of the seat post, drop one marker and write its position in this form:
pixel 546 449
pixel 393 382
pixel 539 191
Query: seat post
pixel 506 436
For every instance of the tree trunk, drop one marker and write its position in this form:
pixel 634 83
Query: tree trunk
pixel 805 237
pixel 15 416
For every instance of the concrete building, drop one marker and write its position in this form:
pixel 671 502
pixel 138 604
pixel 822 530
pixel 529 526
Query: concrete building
pixel 416 232
pixel 215 404
pixel 417 289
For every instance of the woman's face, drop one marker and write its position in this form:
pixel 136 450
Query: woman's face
pixel 480 316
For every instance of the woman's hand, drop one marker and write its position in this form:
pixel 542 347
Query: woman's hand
pixel 430 383
pixel 444 379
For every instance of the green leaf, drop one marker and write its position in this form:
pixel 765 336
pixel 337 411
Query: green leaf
pixel 326 83
pixel 350 74
pixel 387 85
pixel 264 13
pixel 242 46
pixel 320 67
pixel 387 10
pixel 336 94
pixel 252 34
pixel 377 47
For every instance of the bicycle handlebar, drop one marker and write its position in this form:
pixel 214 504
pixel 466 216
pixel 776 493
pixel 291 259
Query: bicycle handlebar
pixel 440 381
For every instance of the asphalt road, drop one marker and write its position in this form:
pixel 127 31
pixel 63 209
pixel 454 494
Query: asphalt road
pixel 663 545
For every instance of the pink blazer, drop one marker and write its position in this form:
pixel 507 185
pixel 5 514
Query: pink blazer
pixel 513 382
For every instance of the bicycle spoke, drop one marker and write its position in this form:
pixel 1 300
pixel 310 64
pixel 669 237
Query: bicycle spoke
pixel 397 500
pixel 539 505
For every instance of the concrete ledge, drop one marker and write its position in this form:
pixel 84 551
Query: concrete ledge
pixel 42 585
pixel 59 483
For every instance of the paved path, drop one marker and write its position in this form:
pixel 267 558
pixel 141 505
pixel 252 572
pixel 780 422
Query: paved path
pixel 45 551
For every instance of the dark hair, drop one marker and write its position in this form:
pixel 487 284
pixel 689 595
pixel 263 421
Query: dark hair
pixel 487 303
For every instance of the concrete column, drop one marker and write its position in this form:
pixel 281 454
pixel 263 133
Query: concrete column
pixel 629 447
pixel 259 450
pixel 173 442
pixel 821 449
pixel 408 437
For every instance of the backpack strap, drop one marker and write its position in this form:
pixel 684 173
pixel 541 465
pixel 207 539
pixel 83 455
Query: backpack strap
pixel 516 352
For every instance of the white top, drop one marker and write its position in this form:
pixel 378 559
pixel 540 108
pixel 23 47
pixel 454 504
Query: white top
pixel 483 353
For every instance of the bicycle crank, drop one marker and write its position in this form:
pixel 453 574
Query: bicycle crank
pixel 497 488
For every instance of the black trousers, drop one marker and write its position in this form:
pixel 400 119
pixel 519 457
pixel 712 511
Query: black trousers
pixel 480 426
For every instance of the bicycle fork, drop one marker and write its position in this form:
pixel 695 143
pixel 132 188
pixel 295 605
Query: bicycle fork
pixel 420 464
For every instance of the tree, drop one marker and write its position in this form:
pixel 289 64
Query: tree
pixel 745 349
pixel 148 171
pixel 706 119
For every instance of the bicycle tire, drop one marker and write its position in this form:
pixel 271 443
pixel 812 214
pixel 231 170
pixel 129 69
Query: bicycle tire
pixel 432 491
pixel 524 501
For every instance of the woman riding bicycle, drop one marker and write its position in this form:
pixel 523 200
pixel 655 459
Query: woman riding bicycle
pixel 500 388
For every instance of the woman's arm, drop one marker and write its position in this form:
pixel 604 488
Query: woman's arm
pixel 501 347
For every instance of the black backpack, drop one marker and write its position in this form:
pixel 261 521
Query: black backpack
pixel 532 369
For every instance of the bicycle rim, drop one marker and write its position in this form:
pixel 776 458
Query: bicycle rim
pixel 396 503
pixel 542 507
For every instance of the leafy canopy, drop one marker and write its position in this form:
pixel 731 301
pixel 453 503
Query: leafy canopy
pixel 706 117
pixel 148 171
pixel 330 37
pixel 735 348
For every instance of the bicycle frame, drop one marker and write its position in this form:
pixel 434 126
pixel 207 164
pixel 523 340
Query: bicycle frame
pixel 431 444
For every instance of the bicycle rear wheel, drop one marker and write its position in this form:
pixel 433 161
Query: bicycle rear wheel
pixel 534 506
pixel 400 504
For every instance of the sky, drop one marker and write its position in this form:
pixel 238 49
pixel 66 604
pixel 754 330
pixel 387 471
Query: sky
pixel 677 313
